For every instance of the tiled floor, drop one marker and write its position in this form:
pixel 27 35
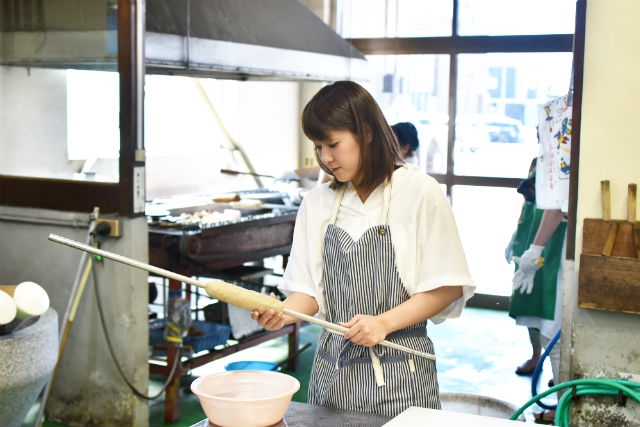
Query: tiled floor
pixel 479 352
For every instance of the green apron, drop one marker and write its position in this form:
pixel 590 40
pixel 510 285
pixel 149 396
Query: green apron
pixel 542 300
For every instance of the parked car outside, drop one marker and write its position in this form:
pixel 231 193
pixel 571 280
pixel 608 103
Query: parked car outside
pixel 474 133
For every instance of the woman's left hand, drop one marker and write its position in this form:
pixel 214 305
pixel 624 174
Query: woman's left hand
pixel 365 330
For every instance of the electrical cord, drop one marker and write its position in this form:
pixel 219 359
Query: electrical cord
pixel 103 323
pixel 580 387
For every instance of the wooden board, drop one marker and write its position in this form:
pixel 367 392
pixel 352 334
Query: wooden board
pixel 610 283
pixel 594 236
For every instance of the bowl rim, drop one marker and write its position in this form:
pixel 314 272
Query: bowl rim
pixel 294 385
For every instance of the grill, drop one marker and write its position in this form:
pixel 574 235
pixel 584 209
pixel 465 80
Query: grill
pixel 204 239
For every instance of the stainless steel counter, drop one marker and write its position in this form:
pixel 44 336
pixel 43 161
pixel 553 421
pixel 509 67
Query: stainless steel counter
pixel 305 415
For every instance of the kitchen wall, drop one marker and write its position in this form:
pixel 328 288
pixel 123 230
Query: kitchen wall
pixel 597 344
pixel 87 389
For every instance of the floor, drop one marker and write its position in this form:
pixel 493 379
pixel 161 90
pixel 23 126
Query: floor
pixel 476 353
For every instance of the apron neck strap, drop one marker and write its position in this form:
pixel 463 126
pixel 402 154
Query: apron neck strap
pixel 386 198
pixel 336 205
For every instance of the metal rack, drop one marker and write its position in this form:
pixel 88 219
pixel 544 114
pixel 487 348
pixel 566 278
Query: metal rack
pixel 226 251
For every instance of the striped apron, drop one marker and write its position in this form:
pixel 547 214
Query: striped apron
pixel 360 277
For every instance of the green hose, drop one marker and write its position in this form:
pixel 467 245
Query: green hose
pixel 584 386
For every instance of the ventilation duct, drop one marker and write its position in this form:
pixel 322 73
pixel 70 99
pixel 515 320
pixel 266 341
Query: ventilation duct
pixel 233 39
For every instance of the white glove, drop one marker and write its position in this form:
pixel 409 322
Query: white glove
pixel 508 251
pixel 530 261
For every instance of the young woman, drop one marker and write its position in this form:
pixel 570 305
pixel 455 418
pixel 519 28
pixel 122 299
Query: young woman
pixel 377 251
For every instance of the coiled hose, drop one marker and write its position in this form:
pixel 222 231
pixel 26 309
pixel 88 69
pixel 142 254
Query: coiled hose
pixel 580 387
pixel 584 386
pixel 605 386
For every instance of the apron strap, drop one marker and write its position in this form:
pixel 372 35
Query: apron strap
pixel 377 368
pixel 336 205
pixel 386 198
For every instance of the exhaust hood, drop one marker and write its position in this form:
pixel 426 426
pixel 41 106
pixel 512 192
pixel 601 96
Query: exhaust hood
pixel 252 38
pixel 232 39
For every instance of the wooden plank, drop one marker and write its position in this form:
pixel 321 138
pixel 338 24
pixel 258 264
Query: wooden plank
pixel 594 237
pixel 609 283
pixel 636 238
pixel 631 202
pixel 610 241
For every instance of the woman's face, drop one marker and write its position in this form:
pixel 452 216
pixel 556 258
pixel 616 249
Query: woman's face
pixel 340 153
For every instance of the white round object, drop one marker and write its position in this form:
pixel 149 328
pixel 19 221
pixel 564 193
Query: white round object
pixel 31 299
pixel 7 308
pixel 245 398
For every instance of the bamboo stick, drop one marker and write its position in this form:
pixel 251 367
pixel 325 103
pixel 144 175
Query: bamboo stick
pixel 226 292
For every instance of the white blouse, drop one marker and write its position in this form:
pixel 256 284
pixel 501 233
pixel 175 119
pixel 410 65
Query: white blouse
pixel 423 231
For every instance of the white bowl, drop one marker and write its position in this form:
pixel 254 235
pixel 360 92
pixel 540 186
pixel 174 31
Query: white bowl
pixel 245 398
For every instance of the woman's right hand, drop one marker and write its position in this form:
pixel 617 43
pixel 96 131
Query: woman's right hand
pixel 296 301
pixel 270 319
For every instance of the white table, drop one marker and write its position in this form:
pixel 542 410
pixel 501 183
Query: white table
pixel 415 416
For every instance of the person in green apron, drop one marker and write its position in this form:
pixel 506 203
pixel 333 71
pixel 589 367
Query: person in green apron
pixel 375 250
pixel 536 296
pixel 537 248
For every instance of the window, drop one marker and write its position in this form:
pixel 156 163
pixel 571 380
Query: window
pixel 498 100
pixel 398 18
pixel 414 88
pixel 59 116
pixel 509 17
pixel 93 125
pixel 474 99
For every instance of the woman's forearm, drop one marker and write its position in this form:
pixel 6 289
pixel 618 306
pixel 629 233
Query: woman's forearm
pixel 302 303
pixel 420 307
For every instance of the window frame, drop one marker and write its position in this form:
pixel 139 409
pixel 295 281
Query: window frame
pixel 84 196
pixel 455 45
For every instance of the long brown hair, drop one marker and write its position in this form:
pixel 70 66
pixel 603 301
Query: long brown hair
pixel 346 105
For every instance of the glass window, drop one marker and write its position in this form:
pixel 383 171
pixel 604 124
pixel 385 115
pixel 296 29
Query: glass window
pixel 498 100
pixel 55 121
pixel 93 132
pixel 415 88
pixel 511 17
pixel 486 219
pixel 395 18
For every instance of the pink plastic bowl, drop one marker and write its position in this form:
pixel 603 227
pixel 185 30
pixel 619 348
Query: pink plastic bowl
pixel 245 398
